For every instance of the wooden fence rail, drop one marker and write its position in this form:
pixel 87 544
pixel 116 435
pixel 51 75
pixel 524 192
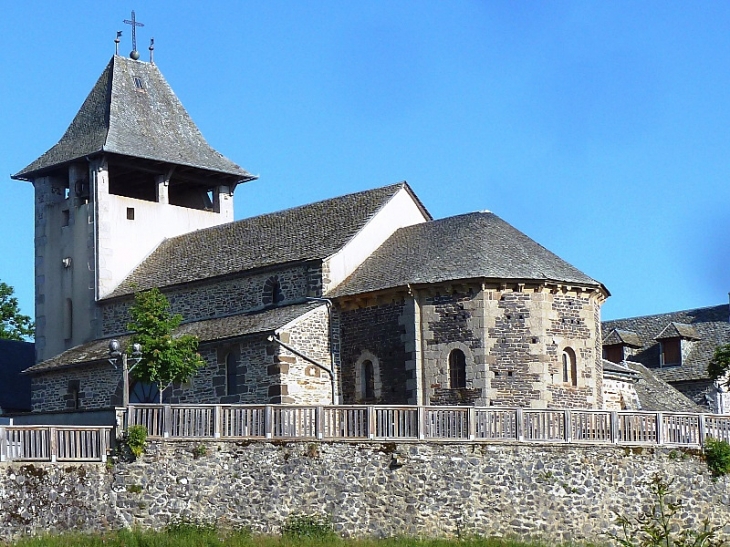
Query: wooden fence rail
pixel 54 443
pixel 439 423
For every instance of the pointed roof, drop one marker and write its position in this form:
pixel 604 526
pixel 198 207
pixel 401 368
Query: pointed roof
pixel 470 246
pixel 678 330
pixel 623 337
pixel 132 111
pixel 309 232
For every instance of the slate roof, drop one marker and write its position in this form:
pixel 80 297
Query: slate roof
pixel 711 325
pixel 210 330
pixel 119 118
pixel 474 245
pixel 14 387
pixel 678 330
pixel 309 232
pixel 624 337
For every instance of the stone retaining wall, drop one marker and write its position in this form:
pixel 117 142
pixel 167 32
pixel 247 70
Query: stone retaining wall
pixel 554 492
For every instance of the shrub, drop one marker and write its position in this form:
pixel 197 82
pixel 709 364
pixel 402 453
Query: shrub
pixel 717 456
pixel 136 439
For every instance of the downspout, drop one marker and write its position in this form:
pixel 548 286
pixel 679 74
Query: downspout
pixel 275 338
pixel 331 345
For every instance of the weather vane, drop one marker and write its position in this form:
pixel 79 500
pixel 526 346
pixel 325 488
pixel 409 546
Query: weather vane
pixel 134 54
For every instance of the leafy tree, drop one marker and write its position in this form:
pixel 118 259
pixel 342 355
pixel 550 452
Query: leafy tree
pixel 13 324
pixel 720 364
pixel 165 358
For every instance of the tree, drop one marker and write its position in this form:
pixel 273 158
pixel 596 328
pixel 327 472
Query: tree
pixel 13 324
pixel 719 365
pixel 165 358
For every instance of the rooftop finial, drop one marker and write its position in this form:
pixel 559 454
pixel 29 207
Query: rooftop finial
pixel 116 42
pixel 152 51
pixel 134 54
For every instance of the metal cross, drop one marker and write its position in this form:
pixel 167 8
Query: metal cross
pixel 134 24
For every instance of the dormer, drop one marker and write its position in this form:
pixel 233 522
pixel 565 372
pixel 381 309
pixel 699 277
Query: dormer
pixel 675 343
pixel 619 344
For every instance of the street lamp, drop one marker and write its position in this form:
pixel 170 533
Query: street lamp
pixel 115 354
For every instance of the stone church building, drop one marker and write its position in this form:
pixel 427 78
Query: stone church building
pixel 363 298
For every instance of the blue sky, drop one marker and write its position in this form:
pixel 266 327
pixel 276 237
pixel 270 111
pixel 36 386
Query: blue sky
pixel 600 129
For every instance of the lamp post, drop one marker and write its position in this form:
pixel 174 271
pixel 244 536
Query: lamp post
pixel 115 354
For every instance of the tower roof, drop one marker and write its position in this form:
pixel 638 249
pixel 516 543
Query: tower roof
pixel 132 111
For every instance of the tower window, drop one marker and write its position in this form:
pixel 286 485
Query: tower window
pixel 457 369
pixel 138 84
pixel 65 217
pixel 570 367
pixel 130 213
pixel 231 374
pixel 368 380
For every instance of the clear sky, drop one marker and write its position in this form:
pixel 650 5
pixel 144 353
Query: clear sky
pixel 600 129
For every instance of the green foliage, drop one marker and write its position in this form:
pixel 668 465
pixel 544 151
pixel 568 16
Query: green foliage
pixel 719 365
pixel 134 489
pixel 717 456
pixel 165 358
pixel 136 439
pixel 309 527
pixel 656 527
pixel 13 324
pixel 200 451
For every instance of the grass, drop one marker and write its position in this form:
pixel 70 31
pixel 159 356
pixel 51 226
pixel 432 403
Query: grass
pixel 203 536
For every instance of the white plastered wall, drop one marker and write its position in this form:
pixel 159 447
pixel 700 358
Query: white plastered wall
pixel 401 211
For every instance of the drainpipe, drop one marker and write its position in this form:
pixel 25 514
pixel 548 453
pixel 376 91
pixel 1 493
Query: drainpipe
pixel 330 306
pixel 275 338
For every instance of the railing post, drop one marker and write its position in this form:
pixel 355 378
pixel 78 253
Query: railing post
pixel 472 423
pixel 614 427
pixel 319 422
pixel 166 421
pixel 659 428
pixel 217 418
pixel 129 415
pixel 703 429
pixel 567 432
pixel 422 421
pixel 268 422
pixel 104 439
pixel 519 425
pixel 3 445
pixel 372 426
pixel 54 444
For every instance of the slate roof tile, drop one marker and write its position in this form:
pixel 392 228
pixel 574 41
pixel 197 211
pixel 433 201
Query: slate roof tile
pixel 624 337
pixel 711 324
pixel 210 330
pixel 150 123
pixel 309 232
pixel 474 245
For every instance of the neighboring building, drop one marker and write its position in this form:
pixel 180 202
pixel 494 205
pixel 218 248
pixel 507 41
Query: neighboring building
pixel 676 347
pixel 15 357
pixel 364 295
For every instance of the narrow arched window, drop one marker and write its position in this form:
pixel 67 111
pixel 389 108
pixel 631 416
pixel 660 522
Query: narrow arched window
pixel 570 367
pixel 276 295
pixel 231 374
pixel 457 369
pixel 368 380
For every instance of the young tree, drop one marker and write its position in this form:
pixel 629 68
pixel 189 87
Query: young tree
pixel 13 324
pixel 719 365
pixel 165 358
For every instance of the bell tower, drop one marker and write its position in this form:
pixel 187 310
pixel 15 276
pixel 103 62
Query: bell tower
pixel 131 170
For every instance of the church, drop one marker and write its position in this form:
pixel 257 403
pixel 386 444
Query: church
pixel 359 299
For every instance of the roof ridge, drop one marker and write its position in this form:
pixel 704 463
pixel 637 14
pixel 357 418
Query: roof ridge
pixel 727 305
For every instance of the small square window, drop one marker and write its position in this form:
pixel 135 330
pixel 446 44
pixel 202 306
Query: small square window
pixel 65 217
pixel 138 84
pixel 130 213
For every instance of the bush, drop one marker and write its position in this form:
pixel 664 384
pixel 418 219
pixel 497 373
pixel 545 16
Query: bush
pixel 717 456
pixel 136 439
pixel 308 526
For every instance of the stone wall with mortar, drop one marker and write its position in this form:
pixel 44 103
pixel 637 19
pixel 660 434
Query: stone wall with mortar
pixel 553 492
pixel 96 386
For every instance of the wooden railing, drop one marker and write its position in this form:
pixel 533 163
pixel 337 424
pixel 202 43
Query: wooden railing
pixel 386 423
pixel 54 443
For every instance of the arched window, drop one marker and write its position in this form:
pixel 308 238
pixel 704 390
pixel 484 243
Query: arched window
pixel 368 380
pixel 570 367
pixel 231 374
pixel 457 369
pixel 273 294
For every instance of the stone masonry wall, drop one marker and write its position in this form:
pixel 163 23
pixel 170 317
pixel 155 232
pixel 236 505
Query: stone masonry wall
pixel 554 492
pixel 96 386
pixel 222 297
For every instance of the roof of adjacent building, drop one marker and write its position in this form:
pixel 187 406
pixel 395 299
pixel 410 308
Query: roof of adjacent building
pixel 210 330
pixel 15 356
pixel 132 111
pixel 710 327
pixel 623 337
pixel 474 245
pixel 309 232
